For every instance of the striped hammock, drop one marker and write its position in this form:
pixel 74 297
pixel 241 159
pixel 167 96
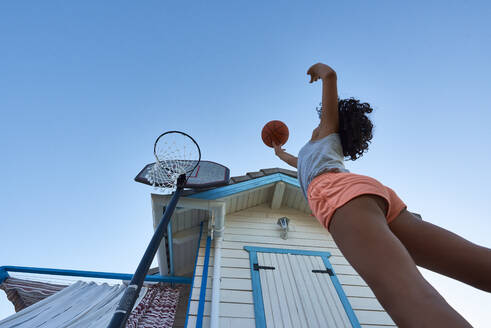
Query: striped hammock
pixel 83 304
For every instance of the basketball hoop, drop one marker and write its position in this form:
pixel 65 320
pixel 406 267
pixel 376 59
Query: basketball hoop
pixel 176 153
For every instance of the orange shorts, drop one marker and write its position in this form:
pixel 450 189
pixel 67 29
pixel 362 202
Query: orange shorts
pixel 329 191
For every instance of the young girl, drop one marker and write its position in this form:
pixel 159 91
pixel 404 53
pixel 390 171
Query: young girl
pixel 370 224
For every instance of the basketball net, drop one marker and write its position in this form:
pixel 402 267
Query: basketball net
pixel 175 153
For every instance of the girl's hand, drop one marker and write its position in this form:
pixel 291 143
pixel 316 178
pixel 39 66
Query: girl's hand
pixel 277 149
pixel 284 156
pixel 320 71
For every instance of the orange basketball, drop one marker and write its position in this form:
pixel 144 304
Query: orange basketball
pixel 275 131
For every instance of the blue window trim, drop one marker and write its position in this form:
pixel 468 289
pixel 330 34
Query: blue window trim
pixel 257 294
pixel 194 274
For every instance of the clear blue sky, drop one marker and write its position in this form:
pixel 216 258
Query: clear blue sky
pixel 85 87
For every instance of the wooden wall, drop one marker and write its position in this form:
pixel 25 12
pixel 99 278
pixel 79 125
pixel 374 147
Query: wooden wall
pixel 256 226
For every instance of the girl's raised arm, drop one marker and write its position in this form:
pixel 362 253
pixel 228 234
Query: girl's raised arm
pixel 329 116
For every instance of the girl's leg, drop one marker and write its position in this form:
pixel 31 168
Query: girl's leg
pixel 360 230
pixel 442 251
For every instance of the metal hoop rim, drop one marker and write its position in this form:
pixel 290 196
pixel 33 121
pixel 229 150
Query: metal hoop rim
pixel 185 134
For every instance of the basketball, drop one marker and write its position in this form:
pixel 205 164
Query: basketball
pixel 275 131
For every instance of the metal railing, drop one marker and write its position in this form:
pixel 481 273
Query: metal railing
pixel 88 274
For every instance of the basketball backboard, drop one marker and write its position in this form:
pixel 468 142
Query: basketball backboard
pixel 206 175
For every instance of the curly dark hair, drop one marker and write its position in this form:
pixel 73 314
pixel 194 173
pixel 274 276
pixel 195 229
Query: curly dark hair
pixel 355 128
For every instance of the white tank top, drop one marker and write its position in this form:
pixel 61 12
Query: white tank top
pixel 317 157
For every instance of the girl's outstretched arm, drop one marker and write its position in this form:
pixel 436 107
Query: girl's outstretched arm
pixel 287 158
pixel 329 116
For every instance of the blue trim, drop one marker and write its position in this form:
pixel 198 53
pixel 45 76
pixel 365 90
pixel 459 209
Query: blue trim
pixel 243 186
pixel 286 251
pixel 204 280
pixel 194 274
pixel 171 247
pixel 342 296
pixel 3 275
pixel 256 282
pixel 95 274
pixel 257 292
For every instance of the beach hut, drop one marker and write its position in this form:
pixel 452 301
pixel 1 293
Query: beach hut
pixel 262 259
pixel 245 254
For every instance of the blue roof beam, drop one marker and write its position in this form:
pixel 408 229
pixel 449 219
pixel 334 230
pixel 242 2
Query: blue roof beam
pixel 89 274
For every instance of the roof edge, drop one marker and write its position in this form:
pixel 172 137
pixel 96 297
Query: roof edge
pixel 238 187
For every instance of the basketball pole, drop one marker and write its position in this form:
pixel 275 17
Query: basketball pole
pixel 133 290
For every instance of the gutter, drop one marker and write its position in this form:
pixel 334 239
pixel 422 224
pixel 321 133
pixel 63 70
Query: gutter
pixel 215 298
pixel 216 207
pixel 218 210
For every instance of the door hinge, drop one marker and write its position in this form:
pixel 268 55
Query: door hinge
pixel 327 270
pixel 257 267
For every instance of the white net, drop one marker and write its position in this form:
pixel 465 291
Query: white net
pixel 164 174
pixel 175 154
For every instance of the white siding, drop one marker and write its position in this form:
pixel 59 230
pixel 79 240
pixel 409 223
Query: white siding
pixel 256 226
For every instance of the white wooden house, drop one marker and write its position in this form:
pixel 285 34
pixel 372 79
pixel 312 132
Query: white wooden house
pixel 256 274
